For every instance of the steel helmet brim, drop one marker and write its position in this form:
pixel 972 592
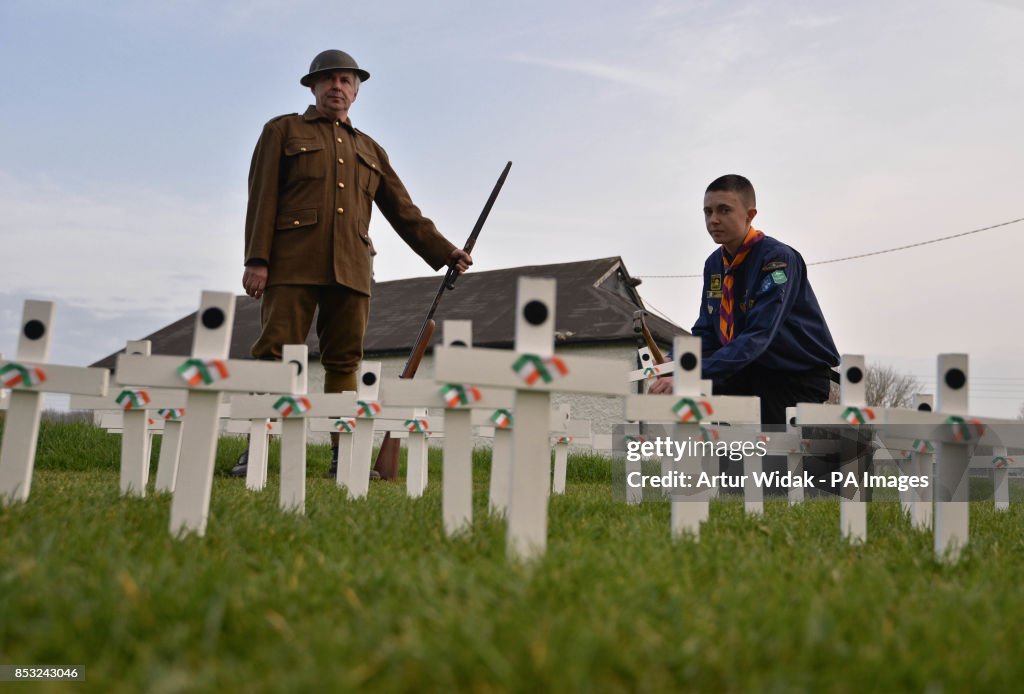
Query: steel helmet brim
pixel 329 61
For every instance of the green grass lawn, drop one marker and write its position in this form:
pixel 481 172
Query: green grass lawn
pixel 371 594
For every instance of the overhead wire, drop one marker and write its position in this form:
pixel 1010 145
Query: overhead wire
pixel 872 253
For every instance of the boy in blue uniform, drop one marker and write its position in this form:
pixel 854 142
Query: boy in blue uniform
pixel 761 329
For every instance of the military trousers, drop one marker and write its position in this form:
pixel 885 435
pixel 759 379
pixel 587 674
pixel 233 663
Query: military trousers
pixel 287 313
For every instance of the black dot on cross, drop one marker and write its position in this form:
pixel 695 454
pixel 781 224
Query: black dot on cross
pixel 34 329
pixel 213 318
pixel 535 312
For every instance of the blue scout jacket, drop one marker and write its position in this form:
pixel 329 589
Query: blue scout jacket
pixel 778 323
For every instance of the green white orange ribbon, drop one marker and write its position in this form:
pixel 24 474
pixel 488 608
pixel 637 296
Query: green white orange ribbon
pixel 455 394
pixel 922 446
pixel 564 439
pixel 287 405
pixel 689 410
pixel 858 415
pixel 196 371
pixel 171 413
pixel 132 399
pixel 367 408
pixel 650 373
pixel 710 434
pixel 962 427
pixel 417 426
pixel 346 426
pixel 532 368
pixel 502 418
pixel 1001 461
pixel 14 375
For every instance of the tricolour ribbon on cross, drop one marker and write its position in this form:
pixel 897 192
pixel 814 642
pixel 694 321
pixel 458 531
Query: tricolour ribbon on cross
pixel 502 418
pixel 345 425
pixel 858 415
pixel 689 410
pixel 14 375
pixel 532 368
pixel 1001 461
pixel 367 408
pixel 288 405
pixel 171 413
pixel 196 371
pixel 710 434
pixel 564 439
pixel 650 373
pixel 132 399
pixel 417 426
pixel 962 427
pixel 922 446
pixel 455 394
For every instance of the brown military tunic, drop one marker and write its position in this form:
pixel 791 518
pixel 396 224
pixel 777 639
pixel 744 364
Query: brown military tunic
pixel 312 183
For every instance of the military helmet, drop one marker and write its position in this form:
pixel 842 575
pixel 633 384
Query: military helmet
pixel 332 60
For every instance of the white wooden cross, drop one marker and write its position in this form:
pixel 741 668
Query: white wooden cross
pixel 394 420
pixel 922 462
pixel 852 410
pixel 28 376
pixel 686 408
pixel 367 408
pixel 291 409
pixel 457 399
pixel 415 426
pixel 137 406
pixel 952 433
pixel 648 370
pixel 535 372
pixel 207 373
pixel 561 438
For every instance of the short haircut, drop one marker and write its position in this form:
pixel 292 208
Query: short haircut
pixel 734 183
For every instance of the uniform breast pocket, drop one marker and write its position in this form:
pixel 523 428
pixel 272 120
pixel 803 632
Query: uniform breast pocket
pixel 303 160
pixel 368 175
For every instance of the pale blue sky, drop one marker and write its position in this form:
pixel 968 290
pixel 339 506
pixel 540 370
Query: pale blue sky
pixel 128 128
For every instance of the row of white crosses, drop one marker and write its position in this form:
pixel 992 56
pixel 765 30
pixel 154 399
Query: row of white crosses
pixel 465 405
pixel 948 431
pixel 137 426
pixel 207 373
pixel 293 411
pixel 28 376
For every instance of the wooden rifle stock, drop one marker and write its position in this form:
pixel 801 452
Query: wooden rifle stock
pixel 387 456
pixel 419 349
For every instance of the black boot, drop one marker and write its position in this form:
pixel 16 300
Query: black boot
pixel 242 466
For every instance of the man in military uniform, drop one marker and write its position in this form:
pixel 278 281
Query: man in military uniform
pixel 312 181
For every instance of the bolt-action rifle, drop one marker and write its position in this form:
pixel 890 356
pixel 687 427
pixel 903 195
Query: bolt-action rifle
pixel 387 457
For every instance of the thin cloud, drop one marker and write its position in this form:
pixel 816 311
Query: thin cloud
pixel 615 74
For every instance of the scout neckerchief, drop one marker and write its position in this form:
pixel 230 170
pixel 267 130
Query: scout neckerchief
pixel 725 315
